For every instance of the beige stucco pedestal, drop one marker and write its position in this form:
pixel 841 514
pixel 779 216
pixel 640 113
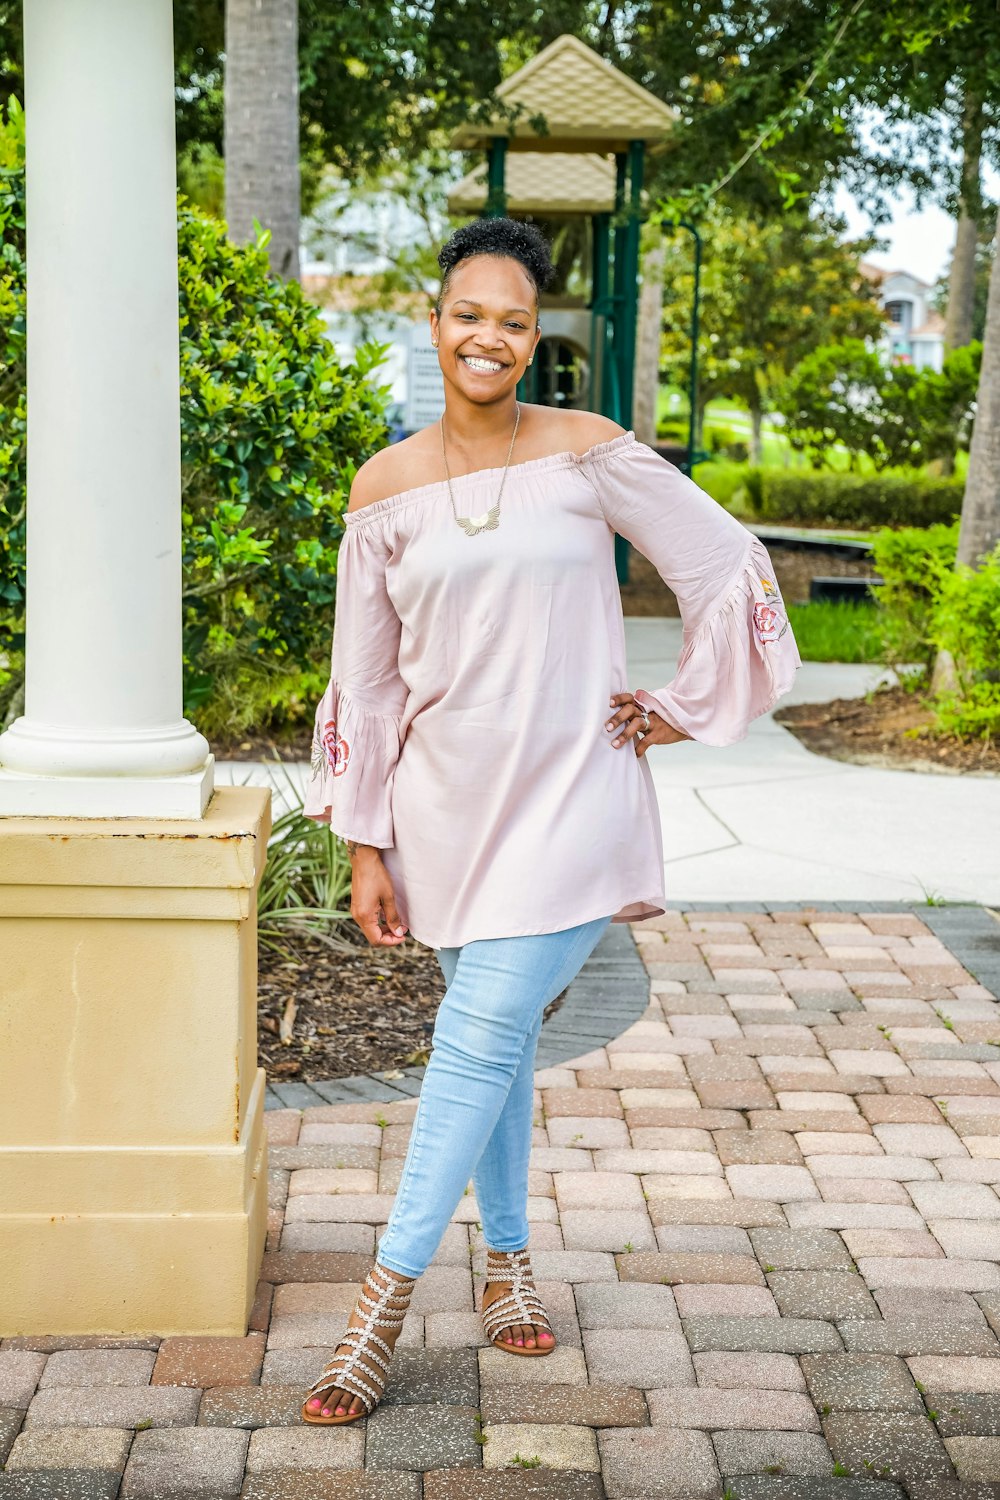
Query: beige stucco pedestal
pixel 132 1156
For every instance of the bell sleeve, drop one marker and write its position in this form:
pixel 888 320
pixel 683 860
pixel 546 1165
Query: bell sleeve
pixel 356 735
pixel 738 654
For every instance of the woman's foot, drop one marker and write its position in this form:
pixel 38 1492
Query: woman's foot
pixel 515 1296
pixel 351 1385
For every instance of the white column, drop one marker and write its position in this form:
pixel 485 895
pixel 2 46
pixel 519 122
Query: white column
pixel 103 733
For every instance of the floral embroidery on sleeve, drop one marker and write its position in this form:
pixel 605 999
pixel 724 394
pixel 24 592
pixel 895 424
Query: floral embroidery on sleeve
pixel 330 747
pixel 769 620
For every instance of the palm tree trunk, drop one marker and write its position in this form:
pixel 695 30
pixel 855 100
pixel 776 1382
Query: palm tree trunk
pixel 262 126
pixel 979 531
pixel 647 355
pixel 962 280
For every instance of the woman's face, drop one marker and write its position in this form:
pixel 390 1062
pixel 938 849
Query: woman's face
pixel 488 328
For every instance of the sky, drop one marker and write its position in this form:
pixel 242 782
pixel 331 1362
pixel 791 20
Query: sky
pixel 920 242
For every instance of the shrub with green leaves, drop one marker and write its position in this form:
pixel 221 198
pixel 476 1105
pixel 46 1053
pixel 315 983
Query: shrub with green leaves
pixel 273 427
pixel 893 414
pixel 912 563
pixel 966 623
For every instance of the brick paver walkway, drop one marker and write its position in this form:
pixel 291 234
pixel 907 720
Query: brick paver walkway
pixel 765 1221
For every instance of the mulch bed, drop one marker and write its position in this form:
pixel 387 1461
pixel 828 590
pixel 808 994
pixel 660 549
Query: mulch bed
pixel 363 1011
pixel 893 729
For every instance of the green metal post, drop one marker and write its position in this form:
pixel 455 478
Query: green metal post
pixel 695 455
pixel 496 193
pixel 630 305
pixel 599 312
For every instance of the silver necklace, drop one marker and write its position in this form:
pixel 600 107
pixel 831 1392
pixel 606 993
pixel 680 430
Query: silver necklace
pixel 490 519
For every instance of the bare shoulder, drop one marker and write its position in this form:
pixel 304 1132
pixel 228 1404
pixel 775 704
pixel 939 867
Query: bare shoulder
pixel 390 471
pixel 584 429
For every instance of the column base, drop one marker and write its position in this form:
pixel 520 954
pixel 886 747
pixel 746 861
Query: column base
pixel 148 1242
pixel 133 1194
pixel 26 794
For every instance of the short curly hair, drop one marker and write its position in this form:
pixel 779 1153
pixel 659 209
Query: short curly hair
pixel 524 243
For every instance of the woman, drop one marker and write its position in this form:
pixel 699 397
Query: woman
pixel 479 751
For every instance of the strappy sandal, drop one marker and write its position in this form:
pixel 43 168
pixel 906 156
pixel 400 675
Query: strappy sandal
pixel 520 1305
pixel 384 1300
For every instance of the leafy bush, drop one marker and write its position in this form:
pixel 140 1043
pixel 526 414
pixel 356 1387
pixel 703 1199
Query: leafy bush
pixel 273 427
pixel 966 623
pixel 913 563
pixel 844 393
pixel 927 605
pixel 799 496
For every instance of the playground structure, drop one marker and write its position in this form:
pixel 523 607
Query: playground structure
pixel 556 123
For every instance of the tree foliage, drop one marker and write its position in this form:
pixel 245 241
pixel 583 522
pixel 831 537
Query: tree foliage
pixel 895 415
pixel 772 292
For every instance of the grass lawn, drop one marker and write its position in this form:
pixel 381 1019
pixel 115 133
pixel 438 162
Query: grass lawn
pixel 830 630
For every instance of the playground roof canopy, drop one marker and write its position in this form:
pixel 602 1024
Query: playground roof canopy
pixel 588 105
pixel 554 183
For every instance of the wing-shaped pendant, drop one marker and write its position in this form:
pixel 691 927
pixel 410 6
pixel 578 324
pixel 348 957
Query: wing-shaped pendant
pixel 473 525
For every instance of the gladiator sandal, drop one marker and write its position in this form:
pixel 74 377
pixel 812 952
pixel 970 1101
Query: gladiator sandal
pixel 520 1305
pixel 384 1300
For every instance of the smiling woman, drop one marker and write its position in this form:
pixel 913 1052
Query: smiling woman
pixel 496 796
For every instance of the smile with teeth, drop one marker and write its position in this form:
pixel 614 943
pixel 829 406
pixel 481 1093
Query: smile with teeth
pixel 484 366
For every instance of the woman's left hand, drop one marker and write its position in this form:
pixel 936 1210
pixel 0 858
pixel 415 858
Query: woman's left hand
pixel 628 721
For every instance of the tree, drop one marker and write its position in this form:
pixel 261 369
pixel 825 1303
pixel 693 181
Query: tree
pixel 262 126
pixel 952 93
pixel 979 531
pixel 981 290
pixel 773 292
pixel 894 415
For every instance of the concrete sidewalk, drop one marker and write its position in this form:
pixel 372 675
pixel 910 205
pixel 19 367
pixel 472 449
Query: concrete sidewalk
pixel 767 819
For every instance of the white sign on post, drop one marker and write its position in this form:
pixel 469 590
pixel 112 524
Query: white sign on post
pixel 424 383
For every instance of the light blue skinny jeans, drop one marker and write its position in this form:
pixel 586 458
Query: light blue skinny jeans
pixel 474 1115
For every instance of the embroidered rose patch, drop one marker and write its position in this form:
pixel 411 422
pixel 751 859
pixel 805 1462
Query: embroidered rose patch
pixel 338 751
pixel 769 623
pixel 329 748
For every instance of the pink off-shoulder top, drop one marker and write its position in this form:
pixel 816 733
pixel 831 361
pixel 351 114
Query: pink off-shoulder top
pixel 462 730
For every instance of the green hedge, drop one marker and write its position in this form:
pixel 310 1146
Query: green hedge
pixel 858 500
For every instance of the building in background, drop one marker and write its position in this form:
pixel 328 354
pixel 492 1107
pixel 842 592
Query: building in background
pixel 914 332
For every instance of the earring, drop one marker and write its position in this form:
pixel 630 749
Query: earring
pixel 434 343
pixel 530 360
